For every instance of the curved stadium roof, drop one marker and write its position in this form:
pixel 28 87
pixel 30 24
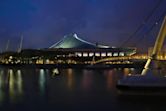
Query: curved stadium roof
pixel 73 41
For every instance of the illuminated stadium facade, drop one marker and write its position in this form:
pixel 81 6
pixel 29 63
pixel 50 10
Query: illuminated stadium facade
pixel 78 47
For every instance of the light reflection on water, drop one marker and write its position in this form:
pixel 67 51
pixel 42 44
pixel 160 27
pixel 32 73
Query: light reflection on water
pixel 12 91
pixel 19 82
pixel 11 87
pixel 87 80
pixel 42 81
pixel 71 87
pixel 15 85
pixel 70 78
pixel 1 86
pixel 110 80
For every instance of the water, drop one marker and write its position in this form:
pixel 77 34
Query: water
pixel 30 89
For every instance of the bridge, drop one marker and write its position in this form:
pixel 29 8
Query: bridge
pixel 141 57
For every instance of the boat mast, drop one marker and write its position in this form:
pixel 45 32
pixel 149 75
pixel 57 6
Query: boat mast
pixel 7 45
pixel 157 47
pixel 20 46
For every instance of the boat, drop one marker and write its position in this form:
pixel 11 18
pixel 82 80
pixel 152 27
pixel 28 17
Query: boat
pixel 150 81
pixel 142 85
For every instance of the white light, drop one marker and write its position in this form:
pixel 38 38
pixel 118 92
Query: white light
pixel 97 54
pixel 91 54
pixel 109 54
pixel 103 54
pixel 115 54
pixel 11 57
pixel 121 53
pixel 47 61
pixel 85 54
pixel 79 54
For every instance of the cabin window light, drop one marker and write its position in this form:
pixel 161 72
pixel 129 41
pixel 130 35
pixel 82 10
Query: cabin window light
pixel 79 54
pixel 97 54
pixel 103 54
pixel 91 54
pixel 121 54
pixel 85 54
pixel 109 54
pixel 115 54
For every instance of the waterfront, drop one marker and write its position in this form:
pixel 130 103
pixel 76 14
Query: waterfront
pixel 30 89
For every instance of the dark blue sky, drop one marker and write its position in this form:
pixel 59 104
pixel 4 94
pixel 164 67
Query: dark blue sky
pixel 44 22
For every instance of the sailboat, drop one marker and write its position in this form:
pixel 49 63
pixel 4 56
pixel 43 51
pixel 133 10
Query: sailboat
pixel 147 80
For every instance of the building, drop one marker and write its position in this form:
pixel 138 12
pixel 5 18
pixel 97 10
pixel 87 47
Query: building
pixel 78 47
pixel 69 50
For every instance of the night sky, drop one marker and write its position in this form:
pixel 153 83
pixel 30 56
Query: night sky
pixel 110 22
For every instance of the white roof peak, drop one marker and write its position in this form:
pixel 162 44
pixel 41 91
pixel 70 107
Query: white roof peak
pixel 75 35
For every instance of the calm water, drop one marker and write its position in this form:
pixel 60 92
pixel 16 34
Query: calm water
pixel 29 89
